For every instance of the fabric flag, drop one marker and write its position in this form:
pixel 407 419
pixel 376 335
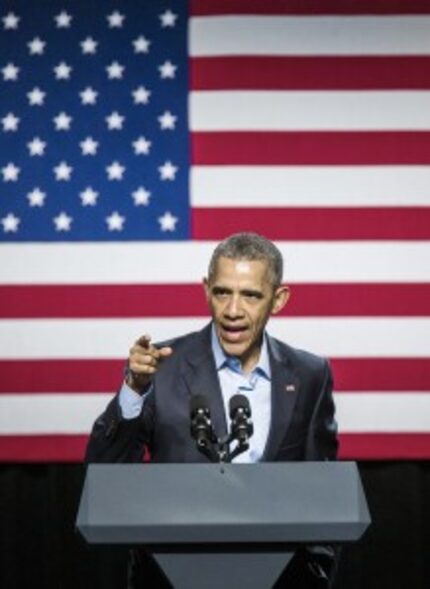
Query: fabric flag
pixel 135 135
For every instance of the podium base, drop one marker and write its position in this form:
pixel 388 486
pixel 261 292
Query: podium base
pixel 226 570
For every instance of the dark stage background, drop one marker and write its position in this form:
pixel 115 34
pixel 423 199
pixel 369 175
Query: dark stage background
pixel 40 548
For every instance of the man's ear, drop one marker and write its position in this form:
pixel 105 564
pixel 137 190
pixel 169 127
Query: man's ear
pixel 206 288
pixel 280 299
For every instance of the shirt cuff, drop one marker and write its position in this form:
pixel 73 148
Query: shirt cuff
pixel 130 402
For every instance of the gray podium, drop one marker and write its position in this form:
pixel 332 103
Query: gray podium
pixel 211 525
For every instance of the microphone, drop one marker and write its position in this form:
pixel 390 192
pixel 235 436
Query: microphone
pixel 240 415
pixel 201 426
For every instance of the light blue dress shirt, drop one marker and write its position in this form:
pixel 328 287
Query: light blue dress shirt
pixel 256 386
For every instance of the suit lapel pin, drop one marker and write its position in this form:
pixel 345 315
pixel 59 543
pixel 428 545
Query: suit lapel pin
pixel 290 388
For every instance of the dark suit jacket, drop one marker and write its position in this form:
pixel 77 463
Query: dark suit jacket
pixel 302 425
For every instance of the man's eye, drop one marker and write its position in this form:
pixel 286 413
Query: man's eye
pixel 220 293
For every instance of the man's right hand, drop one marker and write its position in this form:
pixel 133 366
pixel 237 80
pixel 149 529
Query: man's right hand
pixel 143 362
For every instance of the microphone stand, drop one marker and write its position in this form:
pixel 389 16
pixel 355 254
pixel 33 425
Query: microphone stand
pixel 224 455
pixel 218 449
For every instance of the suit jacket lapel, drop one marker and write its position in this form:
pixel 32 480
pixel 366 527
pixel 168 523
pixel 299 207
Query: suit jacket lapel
pixel 201 378
pixel 285 388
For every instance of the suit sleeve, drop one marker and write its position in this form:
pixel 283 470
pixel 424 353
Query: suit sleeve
pixel 322 443
pixel 115 439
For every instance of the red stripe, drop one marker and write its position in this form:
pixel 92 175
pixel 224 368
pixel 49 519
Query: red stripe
pixel 108 300
pixel 311 148
pixel 104 376
pixel 155 300
pixel 43 448
pixel 61 376
pixel 384 446
pixel 368 300
pixel 381 374
pixel 314 223
pixel 218 7
pixel 310 73
pixel 69 448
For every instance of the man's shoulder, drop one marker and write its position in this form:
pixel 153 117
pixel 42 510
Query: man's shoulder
pixel 295 356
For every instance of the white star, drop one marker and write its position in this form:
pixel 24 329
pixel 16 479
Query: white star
pixel 115 171
pixel 10 172
pixel 115 71
pixel 115 20
pixel 36 198
pixel 36 146
pixel 10 223
pixel 62 121
pixel 141 196
pixel 63 171
pixel 36 46
pixel 36 97
pixel 168 18
pixel 88 197
pixel 167 171
pixel 88 96
pixel 62 71
pixel 10 21
pixel 167 70
pixel 141 146
pixel 114 121
pixel 141 95
pixel 167 222
pixel 62 222
pixel 141 44
pixel 10 72
pixel 167 120
pixel 115 221
pixel 89 146
pixel 10 122
pixel 63 20
pixel 89 46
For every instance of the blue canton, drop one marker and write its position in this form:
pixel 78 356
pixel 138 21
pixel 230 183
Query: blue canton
pixel 93 121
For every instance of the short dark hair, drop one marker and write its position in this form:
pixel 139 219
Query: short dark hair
pixel 249 246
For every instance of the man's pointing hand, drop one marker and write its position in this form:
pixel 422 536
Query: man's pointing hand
pixel 143 362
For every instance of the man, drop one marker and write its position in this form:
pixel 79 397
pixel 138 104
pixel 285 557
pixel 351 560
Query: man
pixel 289 390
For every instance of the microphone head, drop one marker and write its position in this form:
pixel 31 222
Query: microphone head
pixel 199 403
pixel 239 402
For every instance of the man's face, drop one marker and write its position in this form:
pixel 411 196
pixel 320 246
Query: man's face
pixel 242 298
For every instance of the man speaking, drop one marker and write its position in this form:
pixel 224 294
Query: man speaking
pixel 289 390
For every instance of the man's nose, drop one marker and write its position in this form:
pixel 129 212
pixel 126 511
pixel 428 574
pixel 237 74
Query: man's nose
pixel 233 308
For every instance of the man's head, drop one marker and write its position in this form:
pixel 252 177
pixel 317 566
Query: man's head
pixel 251 247
pixel 243 289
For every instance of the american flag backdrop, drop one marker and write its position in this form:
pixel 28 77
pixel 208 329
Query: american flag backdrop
pixel 135 134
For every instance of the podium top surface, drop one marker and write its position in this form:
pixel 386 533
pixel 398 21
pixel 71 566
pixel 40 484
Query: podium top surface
pixel 190 503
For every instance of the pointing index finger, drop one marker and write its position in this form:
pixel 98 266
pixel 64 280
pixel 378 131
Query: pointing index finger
pixel 144 341
pixel 166 351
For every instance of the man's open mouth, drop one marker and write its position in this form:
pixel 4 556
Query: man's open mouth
pixel 233 333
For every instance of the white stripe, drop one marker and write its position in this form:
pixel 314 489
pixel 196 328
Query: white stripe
pixel 309 111
pixel 321 35
pixel 356 336
pixel 112 338
pixel 75 413
pixel 70 413
pixel 186 262
pixel 383 412
pixel 308 186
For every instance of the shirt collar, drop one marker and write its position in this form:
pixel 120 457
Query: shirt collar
pixel 222 360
